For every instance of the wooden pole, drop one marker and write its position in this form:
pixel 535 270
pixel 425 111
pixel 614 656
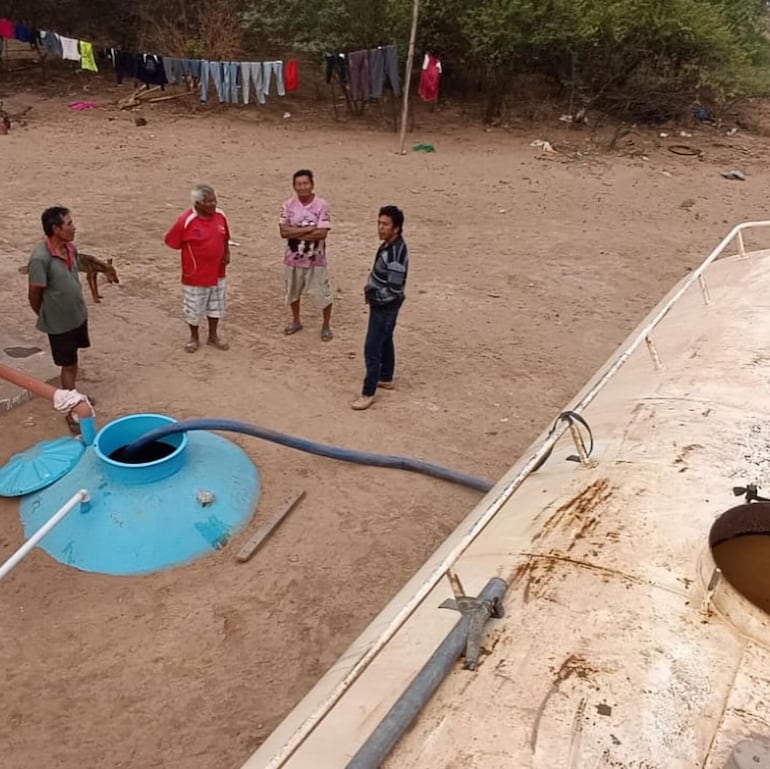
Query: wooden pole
pixel 408 79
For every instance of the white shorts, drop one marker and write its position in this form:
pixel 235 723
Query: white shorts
pixel 204 301
pixel 314 280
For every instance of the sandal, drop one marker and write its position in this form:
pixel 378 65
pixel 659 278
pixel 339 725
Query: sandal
pixel 218 344
pixel 326 335
pixel 191 346
pixel 292 328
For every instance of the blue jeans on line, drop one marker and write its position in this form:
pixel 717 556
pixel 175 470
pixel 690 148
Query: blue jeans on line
pixel 379 350
pixel 269 67
pixel 205 72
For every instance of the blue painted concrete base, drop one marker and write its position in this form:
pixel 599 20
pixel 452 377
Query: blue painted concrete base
pixel 135 529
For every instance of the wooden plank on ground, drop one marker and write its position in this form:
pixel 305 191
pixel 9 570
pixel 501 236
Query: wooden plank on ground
pixel 266 529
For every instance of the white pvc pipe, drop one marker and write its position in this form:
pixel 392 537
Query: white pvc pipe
pixel 81 496
pixel 502 496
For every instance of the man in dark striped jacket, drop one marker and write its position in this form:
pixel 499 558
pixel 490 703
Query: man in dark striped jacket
pixel 384 293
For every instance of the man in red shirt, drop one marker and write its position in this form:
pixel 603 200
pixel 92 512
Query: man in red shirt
pixel 202 234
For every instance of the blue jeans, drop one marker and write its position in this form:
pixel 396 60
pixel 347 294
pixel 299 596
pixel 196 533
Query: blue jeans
pixel 230 71
pixel 205 73
pixel 269 67
pixel 379 351
pixel 251 72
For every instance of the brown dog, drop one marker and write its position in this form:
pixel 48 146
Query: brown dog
pixel 92 266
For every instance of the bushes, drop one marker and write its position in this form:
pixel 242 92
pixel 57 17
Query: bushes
pixel 649 58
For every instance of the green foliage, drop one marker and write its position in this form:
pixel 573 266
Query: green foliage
pixel 667 53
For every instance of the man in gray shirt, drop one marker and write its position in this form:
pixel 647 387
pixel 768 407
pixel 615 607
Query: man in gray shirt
pixel 55 294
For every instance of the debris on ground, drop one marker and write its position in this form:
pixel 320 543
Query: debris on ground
pixel 544 145
pixel 734 174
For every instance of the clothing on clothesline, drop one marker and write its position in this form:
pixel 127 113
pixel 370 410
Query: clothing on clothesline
pixel 383 63
pixel 212 70
pixel 251 74
pixel 149 69
pixel 191 68
pixel 276 68
pixel 337 63
pixel 7 29
pixel 231 71
pixel 87 60
pixel 430 78
pixel 51 44
pixel 70 51
pixel 358 63
pixel 172 68
pixel 125 65
pixel 291 76
pixel 24 33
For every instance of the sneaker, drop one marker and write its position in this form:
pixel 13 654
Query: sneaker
pixel 390 385
pixel 362 402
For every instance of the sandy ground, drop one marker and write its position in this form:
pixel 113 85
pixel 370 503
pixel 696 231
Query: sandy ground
pixel 526 272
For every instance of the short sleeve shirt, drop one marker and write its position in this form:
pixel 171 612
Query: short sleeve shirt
pixel 306 253
pixel 63 307
pixel 203 243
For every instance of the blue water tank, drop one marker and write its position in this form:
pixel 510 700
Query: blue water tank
pixel 149 515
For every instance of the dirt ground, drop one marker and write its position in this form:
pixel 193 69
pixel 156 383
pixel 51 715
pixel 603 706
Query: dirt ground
pixel 527 270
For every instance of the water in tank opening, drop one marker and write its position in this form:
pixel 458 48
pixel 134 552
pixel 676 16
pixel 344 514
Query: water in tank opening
pixel 151 452
pixel 743 560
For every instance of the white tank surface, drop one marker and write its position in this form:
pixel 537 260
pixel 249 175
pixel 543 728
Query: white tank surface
pixel 623 644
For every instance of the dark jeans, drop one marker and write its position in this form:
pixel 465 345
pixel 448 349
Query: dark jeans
pixel 379 352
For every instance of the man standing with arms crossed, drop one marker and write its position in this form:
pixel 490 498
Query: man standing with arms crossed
pixel 56 297
pixel 202 234
pixel 304 224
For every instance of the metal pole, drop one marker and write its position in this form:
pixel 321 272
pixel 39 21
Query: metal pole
pixel 389 731
pixel 408 79
pixel 81 496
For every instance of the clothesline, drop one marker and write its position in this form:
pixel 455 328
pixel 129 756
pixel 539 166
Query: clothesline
pixel 232 79
pixel 363 74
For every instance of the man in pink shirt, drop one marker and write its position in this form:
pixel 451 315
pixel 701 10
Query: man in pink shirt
pixel 304 224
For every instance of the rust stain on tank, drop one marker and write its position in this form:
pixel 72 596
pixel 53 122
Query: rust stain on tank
pixel 579 510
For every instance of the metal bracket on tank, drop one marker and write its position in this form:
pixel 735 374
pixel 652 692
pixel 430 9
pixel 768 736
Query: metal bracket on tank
pixel 480 611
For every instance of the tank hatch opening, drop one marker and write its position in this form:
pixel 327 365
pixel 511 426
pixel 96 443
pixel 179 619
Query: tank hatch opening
pixel 740 545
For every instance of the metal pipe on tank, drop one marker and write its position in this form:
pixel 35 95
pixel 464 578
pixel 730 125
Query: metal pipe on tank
pixel 398 719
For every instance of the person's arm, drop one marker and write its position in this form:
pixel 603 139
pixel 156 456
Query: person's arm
pixel 35 295
pixel 228 237
pixel 322 227
pixel 316 233
pixel 38 280
pixel 290 233
pixel 173 237
pixel 397 270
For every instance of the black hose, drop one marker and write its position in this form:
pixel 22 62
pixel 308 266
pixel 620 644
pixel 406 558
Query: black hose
pixel 320 449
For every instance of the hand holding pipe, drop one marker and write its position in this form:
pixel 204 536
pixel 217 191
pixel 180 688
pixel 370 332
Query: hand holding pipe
pixel 84 410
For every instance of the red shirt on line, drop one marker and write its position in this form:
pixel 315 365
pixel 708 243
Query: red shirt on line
pixel 203 242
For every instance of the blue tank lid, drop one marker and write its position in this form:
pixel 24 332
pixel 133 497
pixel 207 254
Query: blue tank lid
pixel 40 466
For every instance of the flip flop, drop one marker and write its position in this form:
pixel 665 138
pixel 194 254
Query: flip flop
pixel 191 346
pixel 326 335
pixel 292 328
pixel 218 344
